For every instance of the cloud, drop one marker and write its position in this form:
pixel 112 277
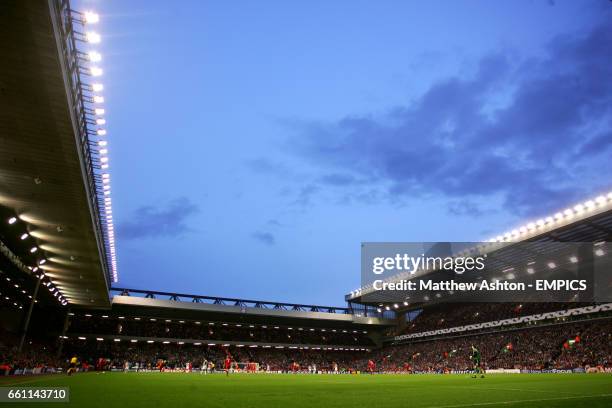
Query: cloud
pixel 266 166
pixel 266 238
pixel 304 196
pixel 530 131
pixel 161 221
pixel 465 207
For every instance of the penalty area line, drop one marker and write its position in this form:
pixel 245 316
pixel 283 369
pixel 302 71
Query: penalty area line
pixel 481 404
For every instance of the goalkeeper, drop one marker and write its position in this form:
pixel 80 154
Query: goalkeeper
pixel 476 360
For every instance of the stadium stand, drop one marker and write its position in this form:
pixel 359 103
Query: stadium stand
pixel 57 262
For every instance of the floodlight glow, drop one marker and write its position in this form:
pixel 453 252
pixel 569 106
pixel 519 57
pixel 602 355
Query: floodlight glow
pixel 24 236
pixel 96 71
pixel 95 56
pixel 12 220
pixel 599 252
pixel 98 99
pixel 93 37
pixel 573 259
pixel 97 87
pixel 99 111
pixel 91 17
pixel 33 249
pixel 100 122
pixel 101 132
pixel 551 265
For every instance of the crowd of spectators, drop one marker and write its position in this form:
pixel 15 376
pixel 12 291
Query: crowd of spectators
pixel 34 358
pixel 559 346
pixel 551 345
pixel 460 314
pixel 176 356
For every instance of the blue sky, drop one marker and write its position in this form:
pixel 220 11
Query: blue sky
pixel 255 145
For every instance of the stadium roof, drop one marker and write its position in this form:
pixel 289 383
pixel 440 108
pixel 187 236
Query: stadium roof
pixel 590 221
pixel 130 302
pixel 49 172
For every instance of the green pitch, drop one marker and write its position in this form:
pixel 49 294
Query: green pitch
pixel 179 390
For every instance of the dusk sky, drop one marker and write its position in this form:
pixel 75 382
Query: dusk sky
pixel 255 144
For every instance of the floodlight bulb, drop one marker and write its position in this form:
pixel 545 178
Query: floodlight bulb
pixel 95 56
pixel 93 37
pixel 91 17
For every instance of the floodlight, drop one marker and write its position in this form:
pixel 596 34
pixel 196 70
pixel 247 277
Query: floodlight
pixel 91 17
pixel 93 37
pixel 95 56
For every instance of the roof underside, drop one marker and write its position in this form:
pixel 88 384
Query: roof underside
pixel 131 306
pixel 41 176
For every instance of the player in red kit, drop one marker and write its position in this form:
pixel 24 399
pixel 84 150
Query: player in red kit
pixel 371 366
pixel 227 364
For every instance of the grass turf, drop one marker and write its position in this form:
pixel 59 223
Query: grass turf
pixel 178 390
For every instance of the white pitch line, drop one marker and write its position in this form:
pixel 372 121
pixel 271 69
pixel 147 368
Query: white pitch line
pixel 524 390
pixel 480 404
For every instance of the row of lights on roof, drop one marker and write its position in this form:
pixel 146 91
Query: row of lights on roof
pixel 566 215
pixel 92 37
pixel 223 324
pixel 395 306
pixel 7 298
pixel 180 343
pixel 49 284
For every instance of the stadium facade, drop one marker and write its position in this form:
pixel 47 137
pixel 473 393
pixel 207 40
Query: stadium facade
pixel 58 250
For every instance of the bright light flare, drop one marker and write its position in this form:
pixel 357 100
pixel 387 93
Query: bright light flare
pixel 95 56
pixel 91 17
pixel 93 37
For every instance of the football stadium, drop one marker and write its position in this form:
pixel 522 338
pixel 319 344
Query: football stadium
pixel 522 319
